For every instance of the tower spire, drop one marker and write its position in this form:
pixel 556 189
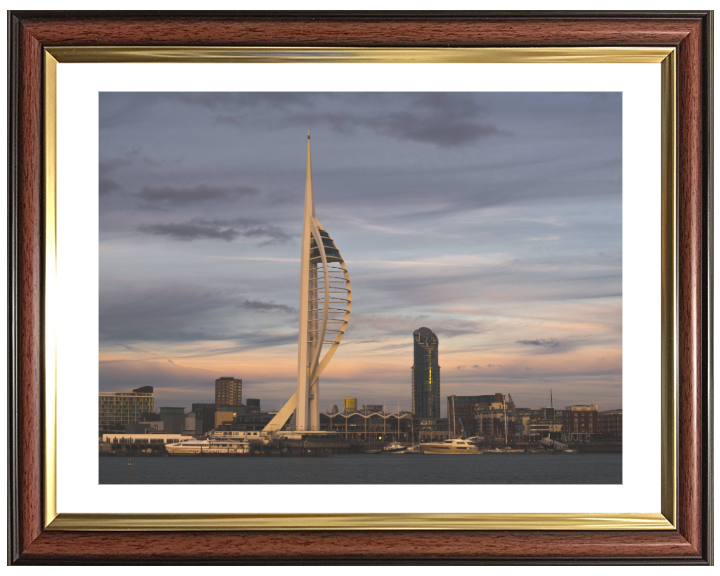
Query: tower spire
pixel 309 196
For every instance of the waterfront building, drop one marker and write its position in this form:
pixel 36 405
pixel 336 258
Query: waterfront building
pixel 225 414
pixel 204 417
pixel 325 300
pixel 350 405
pixel 131 444
pixel 371 427
pixel 147 427
pixel 464 409
pixel 535 423
pixel 228 390
pixel 191 425
pixel 425 374
pixel 580 422
pixel 496 421
pixel 252 405
pixel 116 409
pixel 235 408
pixel 544 428
pixel 173 419
pixel 115 438
pixel 610 423
pixel 431 429
pixel 244 421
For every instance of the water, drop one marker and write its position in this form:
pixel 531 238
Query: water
pixel 368 469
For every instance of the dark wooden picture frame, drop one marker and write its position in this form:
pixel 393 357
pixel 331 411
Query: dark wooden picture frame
pixel 690 33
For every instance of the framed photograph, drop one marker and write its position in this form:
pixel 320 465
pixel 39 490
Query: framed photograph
pixel 501 236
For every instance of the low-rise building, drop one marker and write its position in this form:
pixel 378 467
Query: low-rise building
pixel 544 428
pixel 495 421
pixel 244 421
pixel 610 423
pixel 462 410
pixel 374 426
pixel 533 424
pixel 143 438
pixel 149 427
pixel 173 419
pixel 580 422
pixel 226 413
pixel 373 409
pixel 204 417
pixel 432 429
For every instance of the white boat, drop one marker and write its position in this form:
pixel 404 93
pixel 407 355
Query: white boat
pixel 505 450
pixel 450 446
pixel 209 446
pixel 394 448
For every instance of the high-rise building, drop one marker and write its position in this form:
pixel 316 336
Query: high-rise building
pixel 350 405
pixel 426 374
pixel 120 408
pixel 228 390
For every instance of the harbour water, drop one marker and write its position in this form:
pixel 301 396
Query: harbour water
pixel 367 469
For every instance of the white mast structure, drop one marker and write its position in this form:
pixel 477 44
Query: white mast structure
pixel 325 300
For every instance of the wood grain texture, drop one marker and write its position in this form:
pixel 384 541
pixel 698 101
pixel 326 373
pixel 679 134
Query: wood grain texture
pixel 690 274
pixel 30 32
pixel 257 31
pixel 29 221
pixel 398 546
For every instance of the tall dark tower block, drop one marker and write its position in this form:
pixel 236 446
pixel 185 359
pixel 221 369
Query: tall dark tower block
pixel 228 391
pixel 426 374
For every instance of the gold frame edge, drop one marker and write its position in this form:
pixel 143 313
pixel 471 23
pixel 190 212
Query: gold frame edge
pixel 50 175
pixel 665 520
pixel 261 54
pixel 411 521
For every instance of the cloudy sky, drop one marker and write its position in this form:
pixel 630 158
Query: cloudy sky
pixel 494 219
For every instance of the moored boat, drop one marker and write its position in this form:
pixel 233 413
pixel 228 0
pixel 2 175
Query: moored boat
pixel 450 446
pixel 208 446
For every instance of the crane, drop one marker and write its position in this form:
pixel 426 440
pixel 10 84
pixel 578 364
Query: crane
pixel 511 401
pixel 462 428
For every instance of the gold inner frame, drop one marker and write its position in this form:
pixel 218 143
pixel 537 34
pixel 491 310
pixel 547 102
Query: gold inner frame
pixel 665 520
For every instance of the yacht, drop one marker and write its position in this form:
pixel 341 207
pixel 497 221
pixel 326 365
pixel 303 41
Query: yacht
pixel 450 446
pixel 209 446
pixel 394 448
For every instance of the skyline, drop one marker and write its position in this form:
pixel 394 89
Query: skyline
pixel 493 219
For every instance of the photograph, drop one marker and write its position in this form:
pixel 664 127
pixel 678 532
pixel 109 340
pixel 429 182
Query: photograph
pixel 376 256
pixel 312 287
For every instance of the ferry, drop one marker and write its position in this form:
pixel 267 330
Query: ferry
pixel 208 446
pixel 450 446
